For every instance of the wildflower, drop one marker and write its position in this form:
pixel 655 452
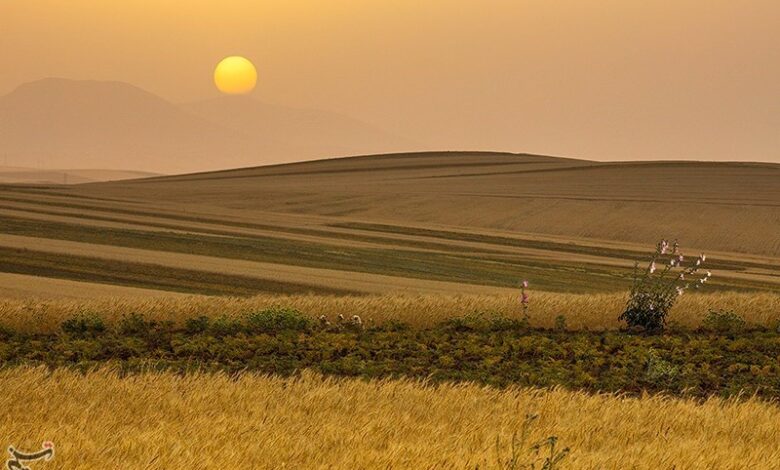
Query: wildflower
pixel 680 291
pixel 357 321
pixel 341 318
pixel 709 274
pixel 698 262
pixel 525 298
pixel 652 267
pixel 680 258
pixel 703 257
pixel 324 321
pixel 525 284
pixel 682 276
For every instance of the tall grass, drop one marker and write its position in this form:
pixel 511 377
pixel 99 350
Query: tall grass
pixel 580 311
pixel 163 420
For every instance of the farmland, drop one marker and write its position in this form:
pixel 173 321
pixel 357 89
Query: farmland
pixel 415 223
pixel 366 312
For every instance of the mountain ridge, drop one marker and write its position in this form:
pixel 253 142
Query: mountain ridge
pixel 56 122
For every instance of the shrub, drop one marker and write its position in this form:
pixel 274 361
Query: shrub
pixel 660 371
pixel 197 325
pixel 560 323
pixel 654 291
pixel 224 326
pixel 723 321
pixel 83 324
pixel 135 324
pixel 277 319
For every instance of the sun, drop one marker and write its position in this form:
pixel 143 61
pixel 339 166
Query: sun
pixel 235 75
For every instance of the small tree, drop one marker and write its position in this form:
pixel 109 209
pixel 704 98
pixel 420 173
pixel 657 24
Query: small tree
pixel 655 290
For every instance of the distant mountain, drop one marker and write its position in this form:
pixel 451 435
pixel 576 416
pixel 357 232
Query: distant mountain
pixel 58 123
pixel 315 133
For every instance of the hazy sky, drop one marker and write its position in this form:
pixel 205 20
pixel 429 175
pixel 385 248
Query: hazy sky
pixel 600 79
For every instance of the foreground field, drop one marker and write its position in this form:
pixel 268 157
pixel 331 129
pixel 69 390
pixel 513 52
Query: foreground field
pixel 161 420
pixel 581 311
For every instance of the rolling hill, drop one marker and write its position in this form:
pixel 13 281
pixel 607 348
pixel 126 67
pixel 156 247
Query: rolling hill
pixel 447 222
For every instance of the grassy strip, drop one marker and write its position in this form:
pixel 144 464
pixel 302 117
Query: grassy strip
pixel 80 268
pixel 465 267
pixel 470 268
pixel 497 352
pixel 270 228
pixel 539 244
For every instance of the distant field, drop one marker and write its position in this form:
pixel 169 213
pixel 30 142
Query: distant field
pixel 436 222
pixel 163 420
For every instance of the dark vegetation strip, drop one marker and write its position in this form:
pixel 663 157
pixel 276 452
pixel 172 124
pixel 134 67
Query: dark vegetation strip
pixel 465 267
pixel 691 363
pixel 80 268
pixel 631 255
pixel 474 269
pixel 229 233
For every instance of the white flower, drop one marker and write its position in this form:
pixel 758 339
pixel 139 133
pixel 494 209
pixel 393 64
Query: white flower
pixel 652 267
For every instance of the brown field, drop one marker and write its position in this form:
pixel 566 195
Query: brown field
pixel 161 420
pixel 582 312
pixel 416 223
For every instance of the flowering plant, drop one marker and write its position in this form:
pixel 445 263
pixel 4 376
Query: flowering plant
pixel 655 290
pixel 524 298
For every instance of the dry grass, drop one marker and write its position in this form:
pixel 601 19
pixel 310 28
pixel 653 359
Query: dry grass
pixel 592 311
pixel 214 421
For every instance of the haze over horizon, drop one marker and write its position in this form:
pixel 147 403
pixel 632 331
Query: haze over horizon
pixel 594 80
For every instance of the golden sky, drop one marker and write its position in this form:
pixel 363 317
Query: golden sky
pixel 600 79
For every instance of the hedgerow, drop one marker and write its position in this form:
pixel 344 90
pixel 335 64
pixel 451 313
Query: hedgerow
pixel 483 348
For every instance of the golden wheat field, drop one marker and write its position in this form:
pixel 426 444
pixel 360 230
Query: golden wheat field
pixel 591 312
pixel 161 420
